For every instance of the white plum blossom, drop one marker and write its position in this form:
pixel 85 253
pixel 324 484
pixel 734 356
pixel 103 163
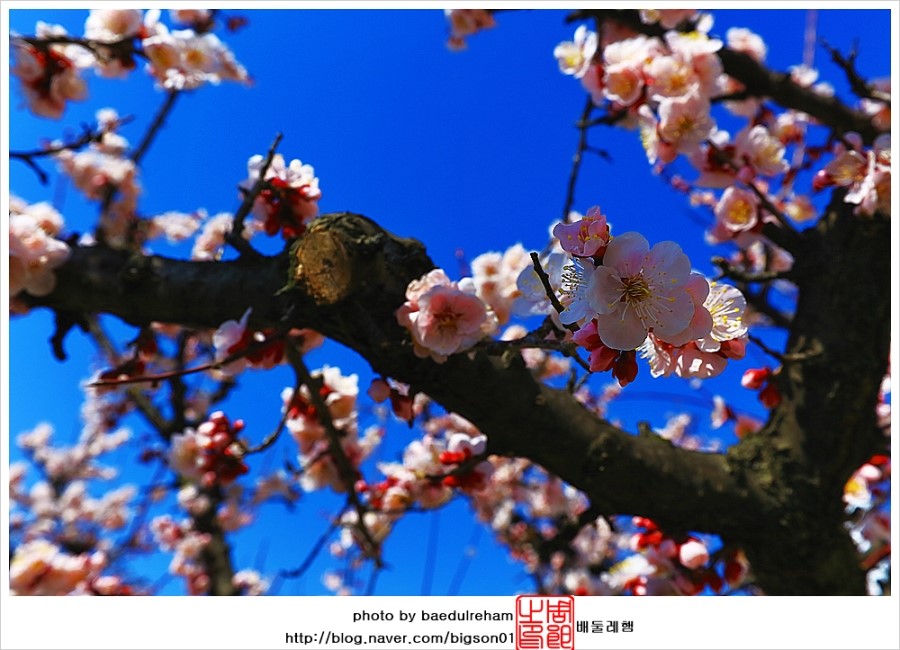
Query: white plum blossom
pixel 763 153
pixel 495 276
pixel 684 122
pixel 110 25
pixel 638 289
pixel 575 57
pixel 750 43
pixel 185 60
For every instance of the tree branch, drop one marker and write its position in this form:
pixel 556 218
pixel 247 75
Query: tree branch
pixel 348 276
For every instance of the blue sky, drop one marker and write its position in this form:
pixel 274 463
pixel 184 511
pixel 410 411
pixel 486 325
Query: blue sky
pixel 466 151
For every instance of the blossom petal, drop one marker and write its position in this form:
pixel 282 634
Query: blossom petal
pixel 621 330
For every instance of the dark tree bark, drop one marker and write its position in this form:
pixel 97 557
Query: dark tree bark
pixel 777 493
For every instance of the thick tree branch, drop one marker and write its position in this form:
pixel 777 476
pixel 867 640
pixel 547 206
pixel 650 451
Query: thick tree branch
pixel 350 276
pixel 346 277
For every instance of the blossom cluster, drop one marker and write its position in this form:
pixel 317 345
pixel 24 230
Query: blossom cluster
pixel 187 544
pixel 41 568
pixel 34 249
pixel 319 466
pixel 866 173
pixel 50 65
pixel 61 536
pixel 211 454
pixel 289 196
pixel 625 295
pixel 666 87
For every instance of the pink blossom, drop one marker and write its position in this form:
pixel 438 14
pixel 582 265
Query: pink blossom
pixel 442 317
pixel 655 146
pixel 586 237
pixel 209 243
pixel 706 356
pixel 250 583
pixel 40 568
pixel 185 60
pixel 693 554
pixel 175 226
pixel 623 69
pixel 702 322
pixel 671 76
pixel 49 78
pixel 449 321
pixel 190 16
pixel 637 289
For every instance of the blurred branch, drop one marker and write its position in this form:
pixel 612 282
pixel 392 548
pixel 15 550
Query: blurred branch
pixel 153 130
pixel 349 474
pixel 270 439
pixel 143 403
pixel 88 136
pixel 566 348
pixel 860 87
pixel 732 272
pixel 313 552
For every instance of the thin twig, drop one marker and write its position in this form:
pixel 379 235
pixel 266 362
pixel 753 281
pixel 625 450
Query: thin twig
pixel 566 348
pixel 161 115
pixel 87 137
pixel 765 348
pixel 214 365
pixel 270 439
pixel 545 280
pixel 730 271
pixel 313 552
pixel 41 174
pixel 144 404
pixel 577 158
pixel 137 522
pixel 785 357
pixel 759 303
pixel 100 49
pixel 373 580
pixel 860 87
pixel 465 561
pixel 235 237
pixel 771 208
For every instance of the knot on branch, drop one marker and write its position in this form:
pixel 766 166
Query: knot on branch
pixel 345 255
pixel 321 266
